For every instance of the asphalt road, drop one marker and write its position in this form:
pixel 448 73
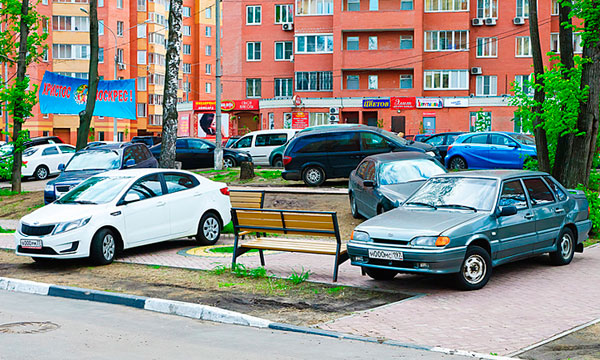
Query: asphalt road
pixel 75 329
pixel 29 184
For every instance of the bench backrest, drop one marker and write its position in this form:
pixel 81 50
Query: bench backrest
pixel 247 198
pixel 292 222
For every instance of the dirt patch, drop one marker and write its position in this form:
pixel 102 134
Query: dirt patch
pixel 16 206
pixel 264 177
pixel 274 299
pixel 580 345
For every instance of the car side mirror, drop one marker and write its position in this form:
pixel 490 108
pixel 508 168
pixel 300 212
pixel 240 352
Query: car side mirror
pixel 61 167
pixel 131 197
pixel 507 210
pixel 369 183
pixel 514 145
pixel 129 163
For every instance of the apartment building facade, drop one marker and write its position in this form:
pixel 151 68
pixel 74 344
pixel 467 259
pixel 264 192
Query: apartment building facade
pixel 408 66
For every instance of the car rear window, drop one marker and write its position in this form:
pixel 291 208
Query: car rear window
pixel 477 139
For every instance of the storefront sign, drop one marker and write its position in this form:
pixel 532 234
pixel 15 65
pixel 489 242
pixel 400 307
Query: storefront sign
pixel 430 103
pixel 297 100
pixel 460 102
pixel 376 103
pixel 183 126
pixel 300 120
pixel 401 103
pixel 226 105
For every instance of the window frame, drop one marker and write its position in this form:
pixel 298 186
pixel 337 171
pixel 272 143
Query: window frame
pixel 289 13
pixel 254 87
pixel 487 44
pixel 455 6
pixel 449 72
pixel 284 50
pixel 254 52
pixel 480 85
pixel 254 14
pixel 517 40
pixel 430 40
pixel 326 41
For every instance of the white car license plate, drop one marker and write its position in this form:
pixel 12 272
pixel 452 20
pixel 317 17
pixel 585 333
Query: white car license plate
pixel 31 244
pixel 386 255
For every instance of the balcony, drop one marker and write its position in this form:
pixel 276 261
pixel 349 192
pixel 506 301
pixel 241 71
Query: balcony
pixel 380 59
pixel 379 20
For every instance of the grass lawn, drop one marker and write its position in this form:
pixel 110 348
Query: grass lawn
pixel 232 176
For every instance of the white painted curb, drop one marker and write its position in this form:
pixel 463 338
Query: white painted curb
pixel 24 286
pixel 204 312
pixel 470 354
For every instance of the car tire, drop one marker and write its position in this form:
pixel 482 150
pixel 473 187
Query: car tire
pixel 41 172
pixel 475 270
pixel 278 162
pixel 353 207
pixel 209 229
pixel 313 176
pixel 565 248
pixel 228 162
pixel 103 248
pixel 380 274
pixel 457 163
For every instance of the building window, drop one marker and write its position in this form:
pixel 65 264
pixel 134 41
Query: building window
pixel 373 81
pixel 70 52
pixel 208 13
pixel 555 7
pixel 314 7
pixel 120 28
pixel 70 23
pixel 485 118
pixel 487 9
pixel 45 55
pixel 187 30
pixel 44 2
pixel 284 14
pixel 156 59
pixel 101 27
pixel 487 47
pixel 284 87
pixel 208 50
pixel 120 56
pixel 523 8
pixel 207 69
pixel 101 55
pixel 187 68
pixel 523 46
pixel 352 82
pixel 252 88
pixel 141 31
pixel 315 119
pixel 253 15
pixel 372 42
pixel 284 50
pixel 141 83
pixel 406 42
pixel 156 38
pixel 187 49
pixel 523 82
pixel 141 57
pixel 314 81
pixel 208 31
pixel 373 5
pixel 155 120
pixel 445 5
pixel 187 11
pixel 314 44
pixel 253 51
pixel 352 43
pixel 208 87
pixel 406 81
pixel 100 133
pixel 141 5
pixel 406 5
pixel 45 25
pixel 353 5
pixel 577 46
pixel 447 40
pixel 141 110
pixel 486 85
pixel 119 4
pixel 447 80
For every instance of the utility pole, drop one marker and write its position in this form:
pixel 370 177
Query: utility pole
pixel 219 139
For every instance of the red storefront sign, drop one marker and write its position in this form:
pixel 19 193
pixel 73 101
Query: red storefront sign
pixel 299 120
pixel 226 105
pixel 402 103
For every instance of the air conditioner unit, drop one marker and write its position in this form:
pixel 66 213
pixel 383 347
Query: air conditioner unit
pixel 287 26
pixel 519 21
pixel 334 119
pixel 490 21
pixel 476 71
pixel 476 22
pixel 334 111
pixel 122 66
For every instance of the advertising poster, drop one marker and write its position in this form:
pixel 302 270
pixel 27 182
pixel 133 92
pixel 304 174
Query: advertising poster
pixel 287 120
pixel 299 120
pixel 207 125
pixel 183 126
pixel 403 103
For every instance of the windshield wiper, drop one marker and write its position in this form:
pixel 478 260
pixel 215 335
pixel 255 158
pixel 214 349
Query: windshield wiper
pixel 421 203
pixel 457 206
pixel 84 202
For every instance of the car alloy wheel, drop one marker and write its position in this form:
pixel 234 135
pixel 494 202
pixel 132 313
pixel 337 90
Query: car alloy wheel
pixel 103 247
pixel 228 162
pixel 458 163
pixel 565 248
pixel 314 176
pixel 210 229
pixel 108 247
pixel 41 173
pixel 353 207
pixel 474 269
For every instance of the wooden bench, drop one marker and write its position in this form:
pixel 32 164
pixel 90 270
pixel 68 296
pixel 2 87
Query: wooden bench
pixel 288 222
pixel 247 198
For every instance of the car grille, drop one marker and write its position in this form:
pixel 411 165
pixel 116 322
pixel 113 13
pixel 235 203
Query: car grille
pixel 392 263
pixel 36 230
pixel 390 241
pixel 62 188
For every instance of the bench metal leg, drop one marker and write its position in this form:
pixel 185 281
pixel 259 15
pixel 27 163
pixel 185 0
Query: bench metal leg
pixel 262 257
pixel 339 259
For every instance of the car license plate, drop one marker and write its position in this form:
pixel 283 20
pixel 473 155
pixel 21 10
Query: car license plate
pixel 31 244
pixel 386 255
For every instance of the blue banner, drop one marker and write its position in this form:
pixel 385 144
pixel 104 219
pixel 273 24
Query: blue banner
pixel 376 103
pixel 67 95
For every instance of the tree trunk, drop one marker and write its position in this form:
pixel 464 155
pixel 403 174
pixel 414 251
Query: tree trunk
pixel 18 107
pixel 169 133
pixel 541 143
pixel 563 155
pixel 85 117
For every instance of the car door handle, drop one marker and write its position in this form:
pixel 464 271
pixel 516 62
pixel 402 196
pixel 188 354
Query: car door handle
pixel 160 203
pixel 197 194
pixel 559 210
pixel 528 216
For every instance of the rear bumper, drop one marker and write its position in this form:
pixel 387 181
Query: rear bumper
pixel 583 229
pixel 291 174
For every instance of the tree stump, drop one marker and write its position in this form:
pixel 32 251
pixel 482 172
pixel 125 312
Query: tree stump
pixel 177 164
pixel 246 170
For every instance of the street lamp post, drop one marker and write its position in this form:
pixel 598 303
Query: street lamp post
pixel 218 139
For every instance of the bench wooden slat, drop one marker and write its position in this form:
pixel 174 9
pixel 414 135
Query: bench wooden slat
pixel 246 199
pixel 295 246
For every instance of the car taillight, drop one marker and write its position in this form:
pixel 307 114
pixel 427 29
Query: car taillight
pixel 449 147
pixel 225 191
pixel 24 162
pixel 287 160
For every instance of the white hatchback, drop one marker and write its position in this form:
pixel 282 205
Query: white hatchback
pixel 122 209
pixel 43 160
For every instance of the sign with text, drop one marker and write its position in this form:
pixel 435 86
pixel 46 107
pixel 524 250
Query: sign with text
pixel 402 103
pixel 226 105
pixel 67 95
pixel 430 103
pixel 456 102
pixel 376 103
pixel 300 120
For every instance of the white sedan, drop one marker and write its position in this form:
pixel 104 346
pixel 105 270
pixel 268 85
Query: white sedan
pixel 43 160
pixel 122 209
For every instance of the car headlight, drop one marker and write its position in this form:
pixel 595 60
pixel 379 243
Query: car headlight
pixel 360 236
pixel 430 153
pixel 432 241
pixel 71 225
pixel 49 188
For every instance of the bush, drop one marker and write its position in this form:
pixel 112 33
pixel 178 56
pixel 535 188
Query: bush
pixel 594 203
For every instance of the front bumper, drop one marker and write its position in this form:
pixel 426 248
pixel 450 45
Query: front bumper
pixel 291 174
pixel 68 245
pixel 418 260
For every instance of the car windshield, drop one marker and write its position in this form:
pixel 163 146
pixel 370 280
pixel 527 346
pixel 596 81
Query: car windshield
pixel 94 160
pixel 524 139
pixel 457 192
pixel 6 149
pixel 96 190
pixel 408 170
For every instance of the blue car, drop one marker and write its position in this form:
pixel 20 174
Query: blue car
pixel 490 150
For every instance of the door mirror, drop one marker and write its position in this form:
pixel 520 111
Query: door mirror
pixel 61 167
pixel 369 183
pixel 131 197
pixel 129 163
pixel 507 210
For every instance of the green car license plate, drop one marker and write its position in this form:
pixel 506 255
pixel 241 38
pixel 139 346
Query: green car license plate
pixel 386 255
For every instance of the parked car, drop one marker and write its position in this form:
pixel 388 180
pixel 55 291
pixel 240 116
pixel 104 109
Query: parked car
pixel 97 159
pixel 382 182
pixel 8 148
pixel 442 141
pixel 117 210
pixel 318 155
pixel 100 142
pixel 147 139
pixel 421 137
pixel 230 141
pixel 260 144
pixel 43 160
pixel 490 150
pixel 194 153
pixel 466 223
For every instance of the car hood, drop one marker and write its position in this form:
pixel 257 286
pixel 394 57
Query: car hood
pixel 400 192
pixel 74 177
pixel 405 223
pixel 235 152
pixel 421 145
pixel 57 213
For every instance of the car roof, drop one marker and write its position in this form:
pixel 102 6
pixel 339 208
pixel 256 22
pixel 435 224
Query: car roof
pixel 43 146
pixel 142 171
pixel 112 146
pixel 398 155
pixel 270 131
pixel 340 129
pixel 495 174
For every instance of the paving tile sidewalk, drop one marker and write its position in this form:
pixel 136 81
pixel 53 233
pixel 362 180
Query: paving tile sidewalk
pixel 524 303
